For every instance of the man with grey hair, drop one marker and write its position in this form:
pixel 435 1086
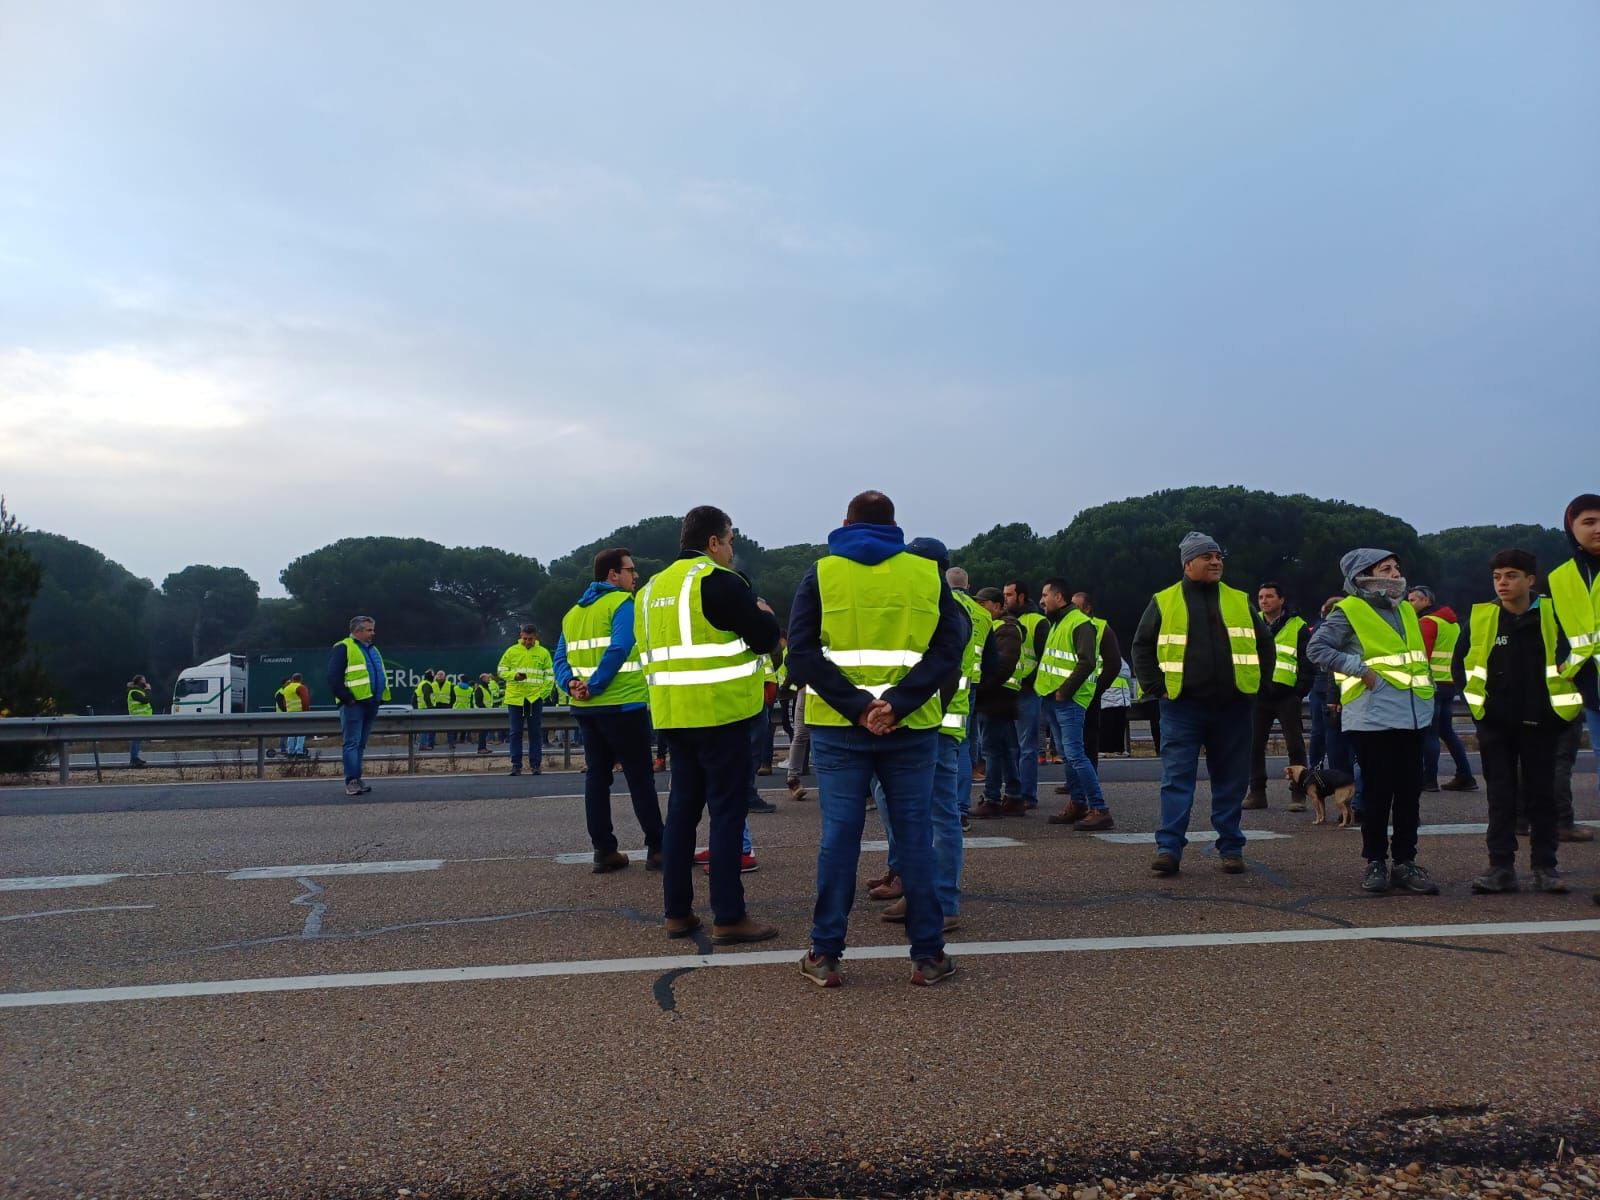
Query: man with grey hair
pixel 1204 652
pixel 359 684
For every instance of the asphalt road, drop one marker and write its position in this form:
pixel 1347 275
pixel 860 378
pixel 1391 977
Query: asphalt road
pixel 315 999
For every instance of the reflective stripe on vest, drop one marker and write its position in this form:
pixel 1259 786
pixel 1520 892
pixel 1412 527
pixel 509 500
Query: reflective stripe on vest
pixel 699 676
pixel 535 664
pixel 1060 659
pixel 1578 610
pixel 1401 664
pixel 877 622
pixel 1286 665
pixel 1446 635
pixel 1028 663
pixel 587 632
pixel 1565 700
pixel 1173 640
pixel 141 706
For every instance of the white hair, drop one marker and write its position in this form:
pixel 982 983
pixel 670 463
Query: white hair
pixel 956 577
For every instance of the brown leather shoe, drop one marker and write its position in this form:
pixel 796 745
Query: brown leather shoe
pixel 887 888
pixel 895 914
pixel 682 926
pixel 1013 806
pixel 745 929
pixel 1575 833
pixel 987 810
pixel 952 923
pixel 1232 864
pixel 1254 800
pixel 1070 815
pixel 615 861
pixel 1096 821
pixel 796 791
pixel 979 772
pixel 652 860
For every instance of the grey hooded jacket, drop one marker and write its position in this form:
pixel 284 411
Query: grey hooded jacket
pixel 1335 647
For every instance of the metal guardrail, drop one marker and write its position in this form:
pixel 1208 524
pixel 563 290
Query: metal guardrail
pixel 63 732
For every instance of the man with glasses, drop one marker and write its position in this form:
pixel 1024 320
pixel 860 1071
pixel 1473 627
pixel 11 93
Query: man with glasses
pixel 597 666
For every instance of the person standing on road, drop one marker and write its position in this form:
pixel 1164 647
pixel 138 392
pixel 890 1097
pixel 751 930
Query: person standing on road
pixel 483 696
pixel 1106 679
pixel 701 633
pixel 873 634
pixel 1280 696
pixel 1440 634
pixel 1574 588
pixel 1522 704
pixel 597 665
pixel 1372 642
pixel 1201 650
pixel 359 685
pixel 1035 629
pixel 972 745
pixel 528 672
pixel 996 705
pixel 424 700
pixel 138 706
pixel 296 698
pixel 1068 677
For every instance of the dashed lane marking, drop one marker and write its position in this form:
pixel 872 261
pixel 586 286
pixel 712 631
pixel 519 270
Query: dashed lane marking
pixel 316 870
pixel 585 857
pixel 67 912
pixel 765 958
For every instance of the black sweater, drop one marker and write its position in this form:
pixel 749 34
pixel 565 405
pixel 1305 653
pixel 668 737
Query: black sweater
pixel 1208 656
pixel 1518 694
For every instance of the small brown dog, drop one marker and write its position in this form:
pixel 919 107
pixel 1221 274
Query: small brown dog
pixel 1321 786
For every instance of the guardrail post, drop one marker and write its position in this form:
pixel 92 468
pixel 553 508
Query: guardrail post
pixel 63 760
pixel 261 758
pixel 566 749
pixel 411 753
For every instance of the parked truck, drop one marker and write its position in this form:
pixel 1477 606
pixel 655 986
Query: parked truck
pixel 249 682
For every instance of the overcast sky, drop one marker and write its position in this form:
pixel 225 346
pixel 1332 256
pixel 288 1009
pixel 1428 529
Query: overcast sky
pixel 275 274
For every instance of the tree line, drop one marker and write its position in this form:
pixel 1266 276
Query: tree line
pixel 86 624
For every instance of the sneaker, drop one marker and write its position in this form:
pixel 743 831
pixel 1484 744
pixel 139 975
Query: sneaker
pixel 1461 783
pixel 796 791
pixel 661 764
pixel 1574 833
pixel 702 856
pixel 758 805
pixel 1232 864
pixel 966 822
pixel 1497 880
pixel 1096 821
pixel 747 863
pixel 745 929
pixel 1548 880
pixel 821 969
pixel 615 861
pixel 930 971
pixel 352 789
pixel 895 914
pixel 1164 864
pixel 137 762
pixel 1070 815
pixel 1044 760
pixel 1376 879
pixel 1254 799
pixel 1409 877
pixel 514 771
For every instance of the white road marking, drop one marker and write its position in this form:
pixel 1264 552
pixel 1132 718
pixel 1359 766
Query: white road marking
pixel 64 912
pixel 40 882
pixel 349 868
pixel 1209 835
pixel 763 958
pixel 1468 827
pixel 586 857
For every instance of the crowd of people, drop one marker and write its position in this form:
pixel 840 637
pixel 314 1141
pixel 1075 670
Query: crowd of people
pixel 909 689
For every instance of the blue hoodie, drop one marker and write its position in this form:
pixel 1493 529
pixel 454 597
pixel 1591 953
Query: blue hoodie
pixel 611 661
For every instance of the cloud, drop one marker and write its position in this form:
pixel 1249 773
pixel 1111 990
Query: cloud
pixel 117 387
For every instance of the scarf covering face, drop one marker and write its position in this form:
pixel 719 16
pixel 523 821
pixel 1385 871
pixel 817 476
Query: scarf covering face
pixel 1379 588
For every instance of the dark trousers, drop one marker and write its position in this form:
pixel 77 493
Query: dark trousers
pixel 1285 710
pixel 1391 773
pixel 1519 770
pixel 1567 745
pixel 1443 730
pixel 1091 734
pixel 529 715
pixel 710 774
pixel 618 737
pixel 1114 729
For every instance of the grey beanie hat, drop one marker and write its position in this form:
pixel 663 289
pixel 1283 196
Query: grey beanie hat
pixel 1195 544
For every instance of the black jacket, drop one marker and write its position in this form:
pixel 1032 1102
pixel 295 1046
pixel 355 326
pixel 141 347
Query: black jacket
pixel 1208 656
pixel 1517 693
pixel 730 605
pixel 993 697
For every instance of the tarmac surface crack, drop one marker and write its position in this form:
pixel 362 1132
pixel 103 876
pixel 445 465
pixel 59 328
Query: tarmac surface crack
pixel 308 899
pixel 1571 953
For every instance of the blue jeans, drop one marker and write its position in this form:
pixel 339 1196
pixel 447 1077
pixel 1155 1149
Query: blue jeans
pixel 1000 758
pixel 1028 744
pixel 1443 730
pixel 1082 779
pixel 1223 729
pixel 133 750
pixel 355 722
pixel 529 715
pixel 846 759
pixel 710 766
pixel 295 745
pixel 1591 718
pixel 948 848
pixel 760 735
pixel 966 752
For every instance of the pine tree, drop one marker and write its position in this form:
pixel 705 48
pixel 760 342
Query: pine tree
pixel 24 689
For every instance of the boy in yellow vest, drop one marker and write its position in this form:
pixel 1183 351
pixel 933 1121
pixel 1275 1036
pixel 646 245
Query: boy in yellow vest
pixel 1574 587
pixel 1521 705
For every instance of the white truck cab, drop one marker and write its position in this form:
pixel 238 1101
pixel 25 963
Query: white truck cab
pixel 218 685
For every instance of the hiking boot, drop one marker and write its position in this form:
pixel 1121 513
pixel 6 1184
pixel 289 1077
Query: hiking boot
pixel 1376 879
pixel 615 861
pixel 1409 877
pixel 1232 864
pixel 1254 799
pixel 930 971
pixel 652 860
pixel 1574 833
pixel 796 791
pixel 895 914
pixel 821 969
pixel 887 888
pixel 1164 864
pixel 745 929
pixel 1461 783
pixel 1013 806
pixel 678 927
pixel 1497 880
pixel 1548 880
pixel 986 810
pixel 1096 821
pixel 758 805
pixel 1070 815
